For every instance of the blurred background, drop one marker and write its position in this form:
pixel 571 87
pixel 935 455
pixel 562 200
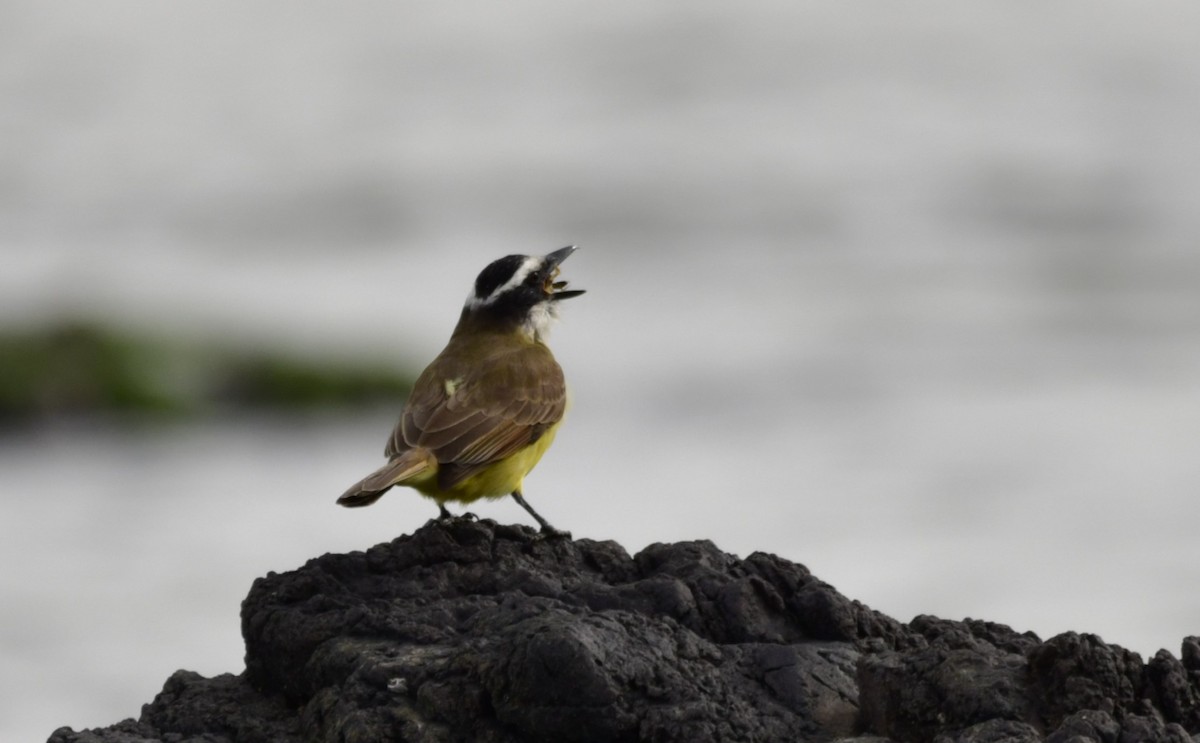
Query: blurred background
pixel 909 294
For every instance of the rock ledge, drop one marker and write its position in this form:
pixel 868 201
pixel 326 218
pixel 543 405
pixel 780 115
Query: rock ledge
pixel 473 631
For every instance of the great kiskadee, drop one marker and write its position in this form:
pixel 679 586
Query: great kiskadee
pixel 486 409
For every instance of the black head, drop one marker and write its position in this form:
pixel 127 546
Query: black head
pixel 521 289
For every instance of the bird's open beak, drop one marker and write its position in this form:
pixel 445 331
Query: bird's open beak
pixel 557 289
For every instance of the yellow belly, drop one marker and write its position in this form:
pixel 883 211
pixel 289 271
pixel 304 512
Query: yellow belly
pixel 497 481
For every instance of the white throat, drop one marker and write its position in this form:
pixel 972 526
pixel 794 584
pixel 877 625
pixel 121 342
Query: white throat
pixel 541 318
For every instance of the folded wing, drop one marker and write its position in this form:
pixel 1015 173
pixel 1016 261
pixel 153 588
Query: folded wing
pixel 470 418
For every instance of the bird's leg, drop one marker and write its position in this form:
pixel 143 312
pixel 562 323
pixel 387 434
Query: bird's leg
pixel 547 529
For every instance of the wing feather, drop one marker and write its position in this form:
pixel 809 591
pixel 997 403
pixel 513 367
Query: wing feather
pixel 504 402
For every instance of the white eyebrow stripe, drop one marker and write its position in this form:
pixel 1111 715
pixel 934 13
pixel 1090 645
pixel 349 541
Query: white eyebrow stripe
pixel 528 266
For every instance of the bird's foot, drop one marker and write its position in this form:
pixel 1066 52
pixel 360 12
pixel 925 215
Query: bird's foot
pixel 549 532
pixel 445 516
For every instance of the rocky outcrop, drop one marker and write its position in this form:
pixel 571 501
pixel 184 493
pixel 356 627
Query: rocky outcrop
pixel 472 631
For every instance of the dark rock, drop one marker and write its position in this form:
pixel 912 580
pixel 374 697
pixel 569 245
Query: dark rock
pixel 559 640
pixel 994 731
pixel 970 673
pixel 1174 690
pixel 225 707
pixel 1191 654
pixel 125 731
pixel 1074 685
pixel 1086 726
pixel 471 631
pixel 1072 672
pixel 1151 729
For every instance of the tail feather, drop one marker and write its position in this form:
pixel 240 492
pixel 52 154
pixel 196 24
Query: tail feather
pixel 404 467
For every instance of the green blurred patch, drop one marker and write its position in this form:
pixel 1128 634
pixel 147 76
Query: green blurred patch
pixel 79 368
pixel 75 368
pixel 282 383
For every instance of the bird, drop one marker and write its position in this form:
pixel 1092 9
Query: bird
pixel 486 409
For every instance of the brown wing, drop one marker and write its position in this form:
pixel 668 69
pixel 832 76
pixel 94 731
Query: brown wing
pixel 470 415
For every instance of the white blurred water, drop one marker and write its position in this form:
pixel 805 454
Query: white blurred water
pixel 910 295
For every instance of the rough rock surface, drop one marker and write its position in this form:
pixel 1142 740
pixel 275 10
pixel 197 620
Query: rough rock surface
pixel 470 631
